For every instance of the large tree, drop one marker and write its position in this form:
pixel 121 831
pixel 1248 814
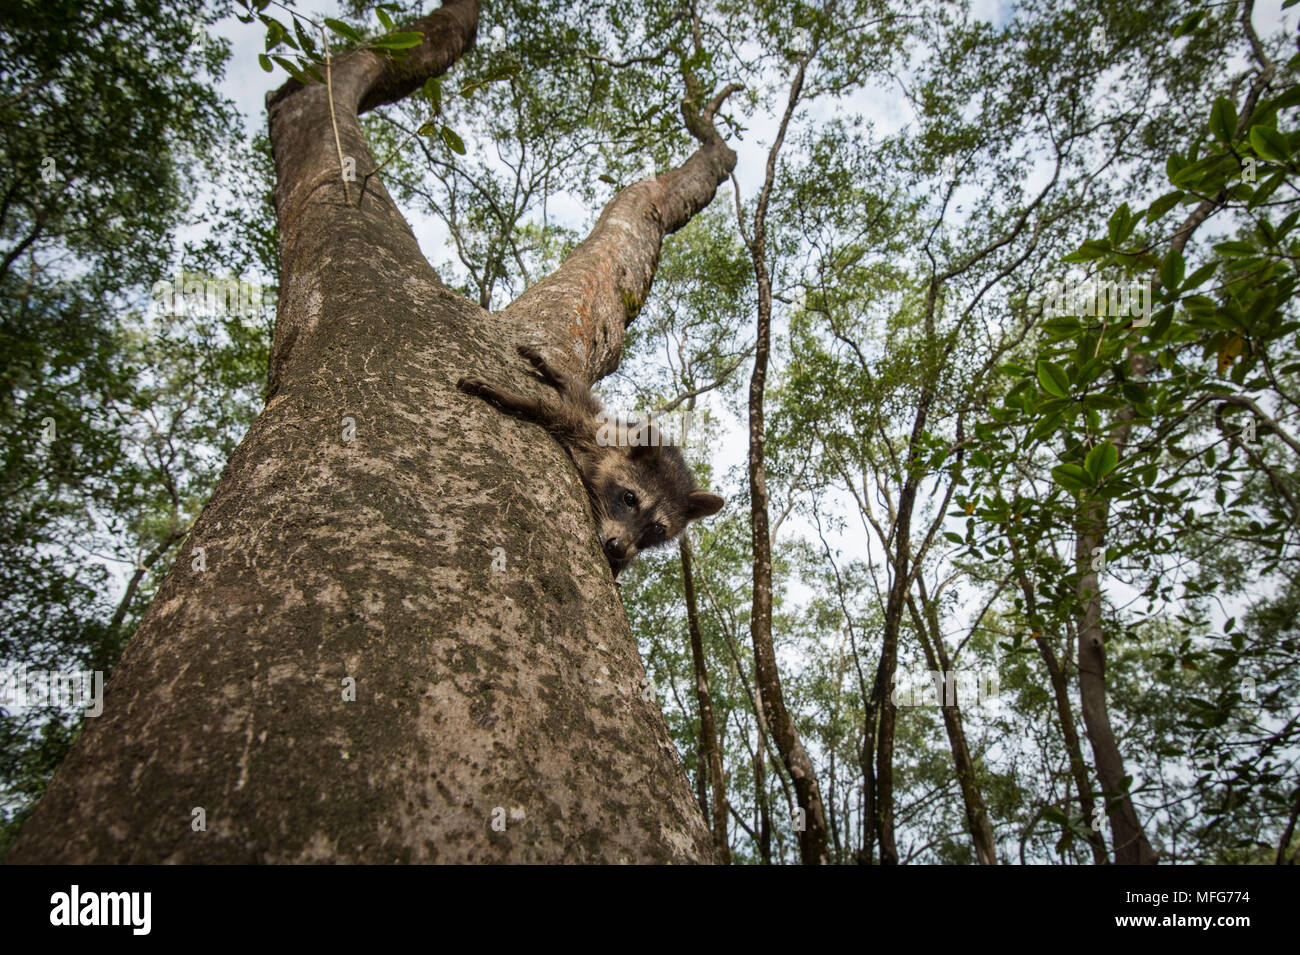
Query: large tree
pixel 393 636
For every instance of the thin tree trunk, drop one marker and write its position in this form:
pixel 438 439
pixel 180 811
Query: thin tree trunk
pixel 882 691
pixel 830 805
pixel 1131 846
pixel 760 783
pixel 812 834
pixel 977 816
pixel 701 778
pixel 1078 768
pixel 354 546
pixel 900 586
pixel 884 739
pixel 870 720
pixel 1091 527
pixel 710 752
pixel 141 569
pixel 1064 714
pixel 1287 833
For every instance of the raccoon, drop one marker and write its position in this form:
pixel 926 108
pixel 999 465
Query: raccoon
pixel 643 494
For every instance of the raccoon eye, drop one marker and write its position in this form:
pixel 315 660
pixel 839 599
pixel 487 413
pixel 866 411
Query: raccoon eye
pixel 629 499
pixel 659 530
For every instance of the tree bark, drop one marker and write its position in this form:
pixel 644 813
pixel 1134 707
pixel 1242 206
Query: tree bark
pixel 710 752
pixel 442 556
pixel 1131 846
pixel 936 655
pixel 1064 714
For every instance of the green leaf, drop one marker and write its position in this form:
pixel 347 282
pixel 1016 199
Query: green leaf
pixel 398 41
pixel 305 42
pixel 1045 426
pixel 1266 190
pixel 1092 249
pixel 275 33
pixel 1120 226
pixel 1290 98
pixel 1201 274
pixel 1072 477
pixel 343 30
pixel 1189 24
pixel 1223 119
pixel 292 69
pixel 1172 270
pixel 1053 380
pixel 1101 460
pixel 1270 144
pixel 501 73
pixel 1052 814
pixel 1201 173
pixel 265 62
pixel 385 20
pixel 606 177
pixel 433 90
pixel 1236 249
pixel 454 142
pixel 1164 204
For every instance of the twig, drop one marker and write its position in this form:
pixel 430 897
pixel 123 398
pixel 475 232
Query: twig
pixel 329 89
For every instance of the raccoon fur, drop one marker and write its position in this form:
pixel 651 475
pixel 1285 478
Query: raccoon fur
pixel 643 494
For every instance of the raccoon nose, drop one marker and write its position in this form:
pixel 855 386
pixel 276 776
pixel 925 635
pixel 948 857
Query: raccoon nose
pixel 615 548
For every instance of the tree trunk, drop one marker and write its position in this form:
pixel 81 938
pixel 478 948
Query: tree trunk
pixel 936 655
pixel 378 526
pixel 1131 846
pixel 813 844
pixel 1064 714
pixel 710 752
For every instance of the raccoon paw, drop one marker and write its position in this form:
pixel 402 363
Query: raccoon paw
pixel 533 354
pixel 553 377
pixel 473 386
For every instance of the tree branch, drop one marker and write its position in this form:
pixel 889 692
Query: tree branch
pixel 603 283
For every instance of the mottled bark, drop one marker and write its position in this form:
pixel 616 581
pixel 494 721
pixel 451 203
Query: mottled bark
pixel 378 526
pixel 883 736
pixel 710 751
pixel 762 793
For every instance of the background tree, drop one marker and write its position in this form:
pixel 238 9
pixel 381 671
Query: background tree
pixel 99 155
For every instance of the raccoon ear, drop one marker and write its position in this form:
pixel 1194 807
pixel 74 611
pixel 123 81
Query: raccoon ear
pixel 702 504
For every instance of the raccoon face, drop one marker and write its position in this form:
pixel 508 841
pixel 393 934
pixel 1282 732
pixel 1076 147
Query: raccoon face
pixel 644 497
